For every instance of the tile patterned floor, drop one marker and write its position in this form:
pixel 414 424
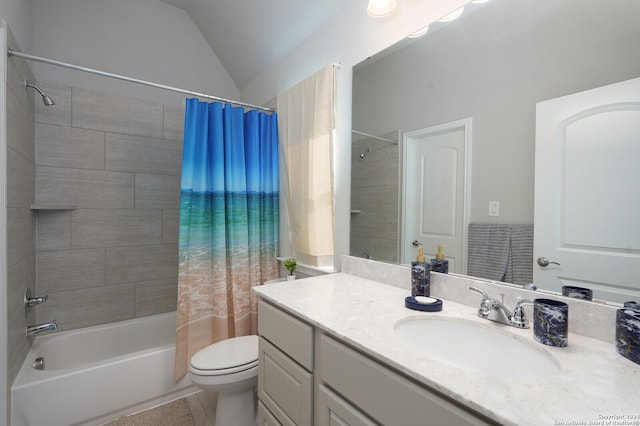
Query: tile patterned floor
pixel 198 409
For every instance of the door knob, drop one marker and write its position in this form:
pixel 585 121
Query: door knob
pixel 416 243
pixel 544 261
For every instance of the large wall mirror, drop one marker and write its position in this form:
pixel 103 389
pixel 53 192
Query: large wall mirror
pixel 489 68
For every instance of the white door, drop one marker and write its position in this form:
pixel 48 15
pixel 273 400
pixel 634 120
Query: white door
pixel 434 192
pixel 587 202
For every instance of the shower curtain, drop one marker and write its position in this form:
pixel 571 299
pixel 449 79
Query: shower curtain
pixel 228 223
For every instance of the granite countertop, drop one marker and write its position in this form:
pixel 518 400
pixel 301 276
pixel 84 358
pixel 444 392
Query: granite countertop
pixel 596 384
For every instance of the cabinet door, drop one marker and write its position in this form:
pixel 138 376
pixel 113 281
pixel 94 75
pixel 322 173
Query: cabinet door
pixel 384 395
pixel 284 387
pixel 265 418
pixel 335 411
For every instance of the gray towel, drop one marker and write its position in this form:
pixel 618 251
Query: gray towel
pixel 520 264
pixel 501 252
pixel 488 250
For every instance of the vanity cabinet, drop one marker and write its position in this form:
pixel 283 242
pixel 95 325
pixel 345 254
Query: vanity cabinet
pixel 285 368
pixel 350 388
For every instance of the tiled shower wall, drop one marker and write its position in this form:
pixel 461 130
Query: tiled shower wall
pixel 374 199
pixel 113 165
pixel 21 221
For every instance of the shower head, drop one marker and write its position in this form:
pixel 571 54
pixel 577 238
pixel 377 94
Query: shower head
pixel 365 152
pixel 45 98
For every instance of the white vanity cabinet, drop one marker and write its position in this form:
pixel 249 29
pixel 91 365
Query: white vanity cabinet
pixel 350 387
pixel 285 368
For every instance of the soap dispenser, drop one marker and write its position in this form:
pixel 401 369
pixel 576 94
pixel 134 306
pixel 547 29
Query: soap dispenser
pixel 439 263
pixel 420 269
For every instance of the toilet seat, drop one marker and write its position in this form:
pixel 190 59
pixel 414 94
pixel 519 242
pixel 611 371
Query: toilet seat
pixel 226 357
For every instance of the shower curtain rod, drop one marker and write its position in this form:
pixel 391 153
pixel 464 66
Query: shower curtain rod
pixel 11 52
pixel 373 136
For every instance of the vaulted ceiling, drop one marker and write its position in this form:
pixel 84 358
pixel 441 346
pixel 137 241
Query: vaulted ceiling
pixel 250 35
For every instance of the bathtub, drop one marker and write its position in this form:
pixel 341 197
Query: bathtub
pixel 96 374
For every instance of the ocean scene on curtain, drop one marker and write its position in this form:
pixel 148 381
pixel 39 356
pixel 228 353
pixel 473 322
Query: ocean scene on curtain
pixel 228 236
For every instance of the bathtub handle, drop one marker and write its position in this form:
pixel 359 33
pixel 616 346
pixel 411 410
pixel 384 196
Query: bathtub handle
pixel 30 301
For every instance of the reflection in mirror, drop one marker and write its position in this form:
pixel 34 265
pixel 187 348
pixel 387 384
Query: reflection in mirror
pixel 492 65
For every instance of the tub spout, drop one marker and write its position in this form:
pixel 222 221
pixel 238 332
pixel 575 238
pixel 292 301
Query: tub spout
pixel 35 329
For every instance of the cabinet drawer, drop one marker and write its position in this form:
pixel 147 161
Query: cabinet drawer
pixel 384 395
pixel 291 335
pixel 265 418
pixel 335 411
pixel 284 387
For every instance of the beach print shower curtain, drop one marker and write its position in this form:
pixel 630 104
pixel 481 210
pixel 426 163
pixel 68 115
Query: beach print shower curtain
pixel 228 223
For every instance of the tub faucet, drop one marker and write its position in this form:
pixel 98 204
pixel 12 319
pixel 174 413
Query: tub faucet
pixel 35 329
pixel 494 310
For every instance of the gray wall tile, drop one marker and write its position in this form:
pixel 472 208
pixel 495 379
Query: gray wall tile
pixel 60 113
pixel 18 118
pixel 173 123
pixel 21 174
pixel 68 147
pixel 84 188
pixel 110 113
pixel 53 230
pixel 170 226
pixel 157 191
pixel 141 154
pixel 20 268
pixel 64 270
pixel 17 72
pixel 19 276
pixel 125 264
pixel 156 297
pixel 20 234
pixel 92 306
pixel 114 228
pixel 119 247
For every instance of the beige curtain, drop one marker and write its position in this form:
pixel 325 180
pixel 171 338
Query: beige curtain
pixel 306 116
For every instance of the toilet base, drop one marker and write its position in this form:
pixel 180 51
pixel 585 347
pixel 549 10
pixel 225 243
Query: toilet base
pixel 236 408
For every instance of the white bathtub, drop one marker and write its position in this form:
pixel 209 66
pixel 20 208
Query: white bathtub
pixel 96 374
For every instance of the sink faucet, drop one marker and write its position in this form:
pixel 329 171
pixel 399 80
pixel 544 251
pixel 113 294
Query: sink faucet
pixel 35 329
pixel 494 310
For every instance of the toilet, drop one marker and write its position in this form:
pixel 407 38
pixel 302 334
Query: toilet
pixel 230 368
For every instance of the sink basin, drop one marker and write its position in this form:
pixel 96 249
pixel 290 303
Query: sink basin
pixel 477 348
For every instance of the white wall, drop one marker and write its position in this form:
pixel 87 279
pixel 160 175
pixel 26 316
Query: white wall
pixel 17 13
pixel 144 39
pixel 348 38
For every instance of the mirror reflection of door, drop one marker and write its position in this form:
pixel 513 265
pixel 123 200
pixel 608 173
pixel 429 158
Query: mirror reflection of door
pixel 587 203
pixel 435 167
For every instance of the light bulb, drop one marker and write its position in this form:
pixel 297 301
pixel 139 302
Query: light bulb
pixel 381 8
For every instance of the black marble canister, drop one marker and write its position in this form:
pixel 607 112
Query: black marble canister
pixel 577 292
pixel 628 334
pixel 550 322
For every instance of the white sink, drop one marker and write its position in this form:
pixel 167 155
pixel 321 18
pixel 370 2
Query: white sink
pixel 478 348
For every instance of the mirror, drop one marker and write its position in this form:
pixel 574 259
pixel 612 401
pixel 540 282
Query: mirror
pixel 493 64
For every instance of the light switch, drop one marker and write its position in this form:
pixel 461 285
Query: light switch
pixel 494 208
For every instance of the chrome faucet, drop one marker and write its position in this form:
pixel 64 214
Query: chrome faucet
pixel 35 329
pixel 494 310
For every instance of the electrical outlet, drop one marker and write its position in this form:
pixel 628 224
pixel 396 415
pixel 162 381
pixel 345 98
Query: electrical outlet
pixel 494 208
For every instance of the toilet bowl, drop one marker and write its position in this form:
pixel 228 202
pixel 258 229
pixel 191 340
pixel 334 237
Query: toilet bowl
pixel 230 368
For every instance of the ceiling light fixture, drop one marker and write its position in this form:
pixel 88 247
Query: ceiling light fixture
pixel 419 33
pixel 452 16
pixel 381 8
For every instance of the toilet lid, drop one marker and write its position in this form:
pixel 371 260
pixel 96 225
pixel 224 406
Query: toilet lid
pixel 227 354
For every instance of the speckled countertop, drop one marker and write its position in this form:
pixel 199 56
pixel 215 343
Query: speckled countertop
pixel 596 385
